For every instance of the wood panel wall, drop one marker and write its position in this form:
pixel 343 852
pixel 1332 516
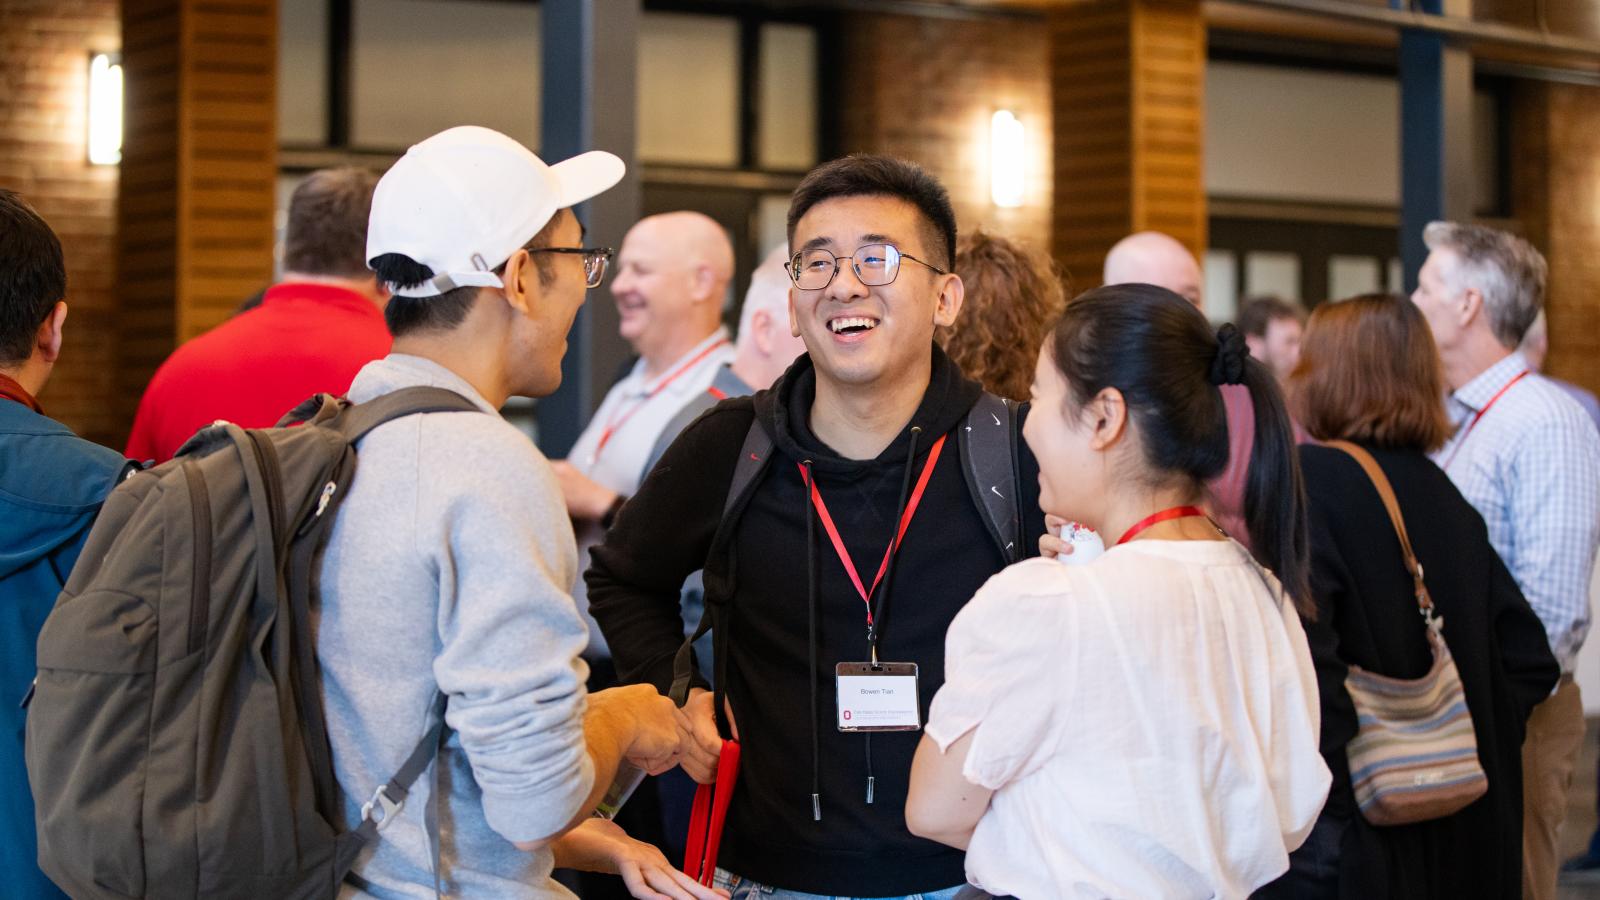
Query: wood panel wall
pixel 1555 169
pixel 1128 80
pixel 199 170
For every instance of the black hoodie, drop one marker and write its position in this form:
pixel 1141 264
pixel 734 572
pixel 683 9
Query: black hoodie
pixel 757 589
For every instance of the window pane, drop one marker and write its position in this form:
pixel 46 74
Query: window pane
pixel 688 89
pixel 421 66
pixel 788 97
pixel 1272 273
pixel 303 72
pixel 1349 276
pixel 1222 285
pixel 772 222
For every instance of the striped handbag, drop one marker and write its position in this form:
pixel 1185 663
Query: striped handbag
pixel 1415 756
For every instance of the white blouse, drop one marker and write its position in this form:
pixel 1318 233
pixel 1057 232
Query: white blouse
pixel 1148 723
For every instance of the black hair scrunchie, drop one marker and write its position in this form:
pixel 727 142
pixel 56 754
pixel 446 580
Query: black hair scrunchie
pixel 1232 352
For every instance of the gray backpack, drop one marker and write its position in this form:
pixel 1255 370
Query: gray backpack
pixel 176 745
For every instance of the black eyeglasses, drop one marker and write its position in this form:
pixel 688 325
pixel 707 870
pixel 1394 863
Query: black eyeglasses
pixel 874 265
pixel 595 260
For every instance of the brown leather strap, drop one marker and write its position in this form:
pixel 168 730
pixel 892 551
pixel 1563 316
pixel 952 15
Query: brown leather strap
pixel 1392 506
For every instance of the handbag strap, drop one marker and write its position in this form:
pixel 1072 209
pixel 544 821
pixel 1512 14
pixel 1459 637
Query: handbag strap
pixel 1392 506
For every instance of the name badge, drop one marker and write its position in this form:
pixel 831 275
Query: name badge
pixel 878 697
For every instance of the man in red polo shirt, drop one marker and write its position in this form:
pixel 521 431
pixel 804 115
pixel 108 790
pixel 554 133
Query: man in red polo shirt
pixel 313 331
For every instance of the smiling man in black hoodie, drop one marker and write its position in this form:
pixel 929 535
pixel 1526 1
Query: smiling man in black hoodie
pixel 790 581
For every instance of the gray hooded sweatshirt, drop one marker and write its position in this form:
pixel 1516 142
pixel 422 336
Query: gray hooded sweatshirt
pixel 448 570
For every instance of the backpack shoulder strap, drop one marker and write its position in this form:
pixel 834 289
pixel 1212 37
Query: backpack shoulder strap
pixel 754 457
pixel 988 442
pixel 362 418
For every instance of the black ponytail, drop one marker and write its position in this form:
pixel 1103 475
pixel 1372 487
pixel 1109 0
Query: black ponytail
pixel 1274 494
pixel 1162 354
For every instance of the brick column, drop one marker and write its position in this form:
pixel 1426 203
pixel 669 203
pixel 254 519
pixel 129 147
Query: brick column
pixel 925 88
pixel 45 46
pixel 1128 81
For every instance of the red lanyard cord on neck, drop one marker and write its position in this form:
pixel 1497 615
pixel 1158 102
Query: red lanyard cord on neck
pixel 1166 515
pixel 622 418
pixel 909 511
pixel 1479 417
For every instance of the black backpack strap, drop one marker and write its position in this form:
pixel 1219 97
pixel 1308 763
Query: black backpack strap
pixel 390 797
pixel 360 419
pixel 989 448
pixel 754 457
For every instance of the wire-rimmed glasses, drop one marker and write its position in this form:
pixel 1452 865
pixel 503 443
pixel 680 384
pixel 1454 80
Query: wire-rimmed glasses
pixel 874 265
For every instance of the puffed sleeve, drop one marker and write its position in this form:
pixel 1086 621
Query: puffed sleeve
pixel 1003 656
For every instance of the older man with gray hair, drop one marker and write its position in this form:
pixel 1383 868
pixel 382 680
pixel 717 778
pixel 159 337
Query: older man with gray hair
pixel 1527 457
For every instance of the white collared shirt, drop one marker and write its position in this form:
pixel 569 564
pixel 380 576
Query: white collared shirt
pixel 1531 467
pixel 635 410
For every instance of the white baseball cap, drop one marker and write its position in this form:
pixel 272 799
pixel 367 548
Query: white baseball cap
pixel 462 201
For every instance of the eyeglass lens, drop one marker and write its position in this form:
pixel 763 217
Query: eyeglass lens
pixel 594 266
pixel 874 264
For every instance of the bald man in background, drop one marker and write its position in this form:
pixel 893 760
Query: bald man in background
pixel 1150 257
pixel 672 277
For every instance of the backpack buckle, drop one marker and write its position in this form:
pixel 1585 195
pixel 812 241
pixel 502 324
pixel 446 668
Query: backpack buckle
pixel 380 800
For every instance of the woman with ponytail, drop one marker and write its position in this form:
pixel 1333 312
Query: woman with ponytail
pixel 1144 725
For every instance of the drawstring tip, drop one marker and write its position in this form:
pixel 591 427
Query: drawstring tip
pixel 872 784
pixel 816 807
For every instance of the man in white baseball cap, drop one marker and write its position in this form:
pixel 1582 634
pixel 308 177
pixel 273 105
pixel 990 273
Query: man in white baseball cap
pixel 449 564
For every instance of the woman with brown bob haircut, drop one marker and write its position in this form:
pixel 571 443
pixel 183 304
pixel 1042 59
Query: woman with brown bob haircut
pixel 1369 374
pixel 1013 297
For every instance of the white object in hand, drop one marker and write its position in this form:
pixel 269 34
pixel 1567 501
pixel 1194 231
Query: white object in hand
pixel 1085 543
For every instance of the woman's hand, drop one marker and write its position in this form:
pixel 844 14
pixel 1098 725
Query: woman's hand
pixel 599 845
pixel 1051 545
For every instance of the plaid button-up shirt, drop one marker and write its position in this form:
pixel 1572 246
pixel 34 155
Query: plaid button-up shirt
pixel 1531 467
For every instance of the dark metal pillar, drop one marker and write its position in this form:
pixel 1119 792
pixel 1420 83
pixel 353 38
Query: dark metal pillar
pixel 590 83
pixel 1435 132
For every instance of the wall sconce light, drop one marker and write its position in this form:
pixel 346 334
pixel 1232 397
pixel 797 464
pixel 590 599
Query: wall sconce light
pixel 1005 159
pixel 105 109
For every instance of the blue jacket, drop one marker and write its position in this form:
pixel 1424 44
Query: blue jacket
pixel 52 483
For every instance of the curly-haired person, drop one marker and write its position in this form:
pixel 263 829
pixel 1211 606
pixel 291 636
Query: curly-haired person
pixel 1013 297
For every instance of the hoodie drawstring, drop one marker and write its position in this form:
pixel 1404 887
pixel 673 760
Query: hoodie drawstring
pixel 874 617
pixel 811 615
pixel 888 577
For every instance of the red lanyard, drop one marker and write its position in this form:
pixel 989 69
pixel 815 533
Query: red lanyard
pixel 717 392
pixel 617 422
pixel 1481 413
pixel 888 554
pixel 1176 512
